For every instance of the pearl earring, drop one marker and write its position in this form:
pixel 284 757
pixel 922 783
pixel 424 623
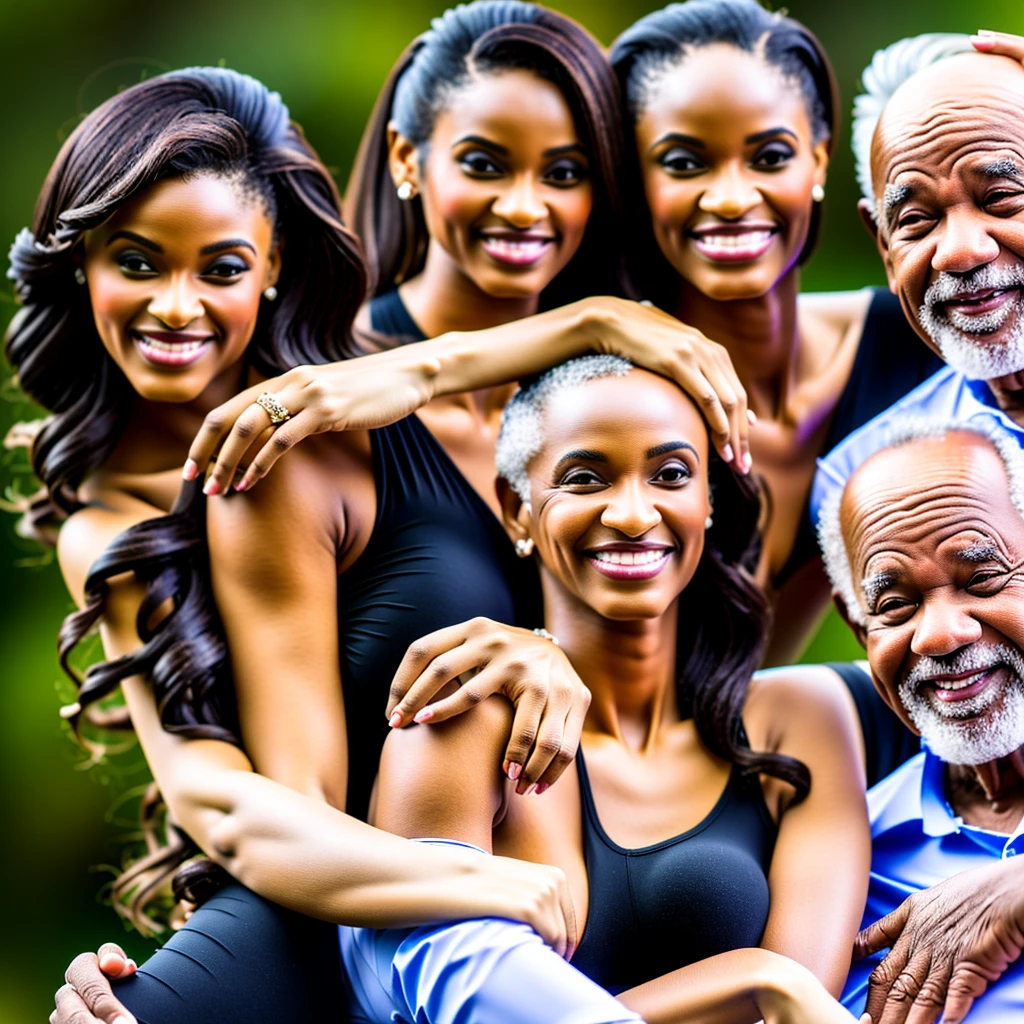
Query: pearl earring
pixel 818 193
pixel 270 293
pixel 79 275
pixel 405 191
pixel 524 547
pixel 708 523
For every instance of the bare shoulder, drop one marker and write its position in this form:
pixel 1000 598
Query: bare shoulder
pixel 840 313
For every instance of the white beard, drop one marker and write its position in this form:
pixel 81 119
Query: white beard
pixel 958 337
pixel 961 733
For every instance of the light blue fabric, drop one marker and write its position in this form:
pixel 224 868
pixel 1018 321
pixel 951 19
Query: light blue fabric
pixel 483 971
pixel 916 842
pixel 948 395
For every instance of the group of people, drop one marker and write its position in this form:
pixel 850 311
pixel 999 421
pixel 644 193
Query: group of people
pixel 532 750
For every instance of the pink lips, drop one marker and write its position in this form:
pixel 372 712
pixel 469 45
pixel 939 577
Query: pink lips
pixel 955 688
pixel 733 243
pixel 630 561
pixel 981 302
pixel 519 249
pixel 171 348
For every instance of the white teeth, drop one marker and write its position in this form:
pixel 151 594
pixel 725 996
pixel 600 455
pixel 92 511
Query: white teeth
pixel 519 249
pixel 733 243
pixel 959 684
pixel 631 557
pixel 183 348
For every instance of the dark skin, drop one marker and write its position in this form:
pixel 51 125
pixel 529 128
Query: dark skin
pixel 730 201
pixel 912 516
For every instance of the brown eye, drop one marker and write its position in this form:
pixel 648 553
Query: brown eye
pixel 132 262
pixel 986 582
pixel 479 163
pixel 580 476
pixel 674 474
pixel 678 160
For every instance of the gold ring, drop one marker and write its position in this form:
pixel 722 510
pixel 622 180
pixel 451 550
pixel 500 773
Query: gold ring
pixel 273 408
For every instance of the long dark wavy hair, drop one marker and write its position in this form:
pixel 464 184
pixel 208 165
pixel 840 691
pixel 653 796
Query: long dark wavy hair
pixel 484 37
pixel 198 120
pixel 660 40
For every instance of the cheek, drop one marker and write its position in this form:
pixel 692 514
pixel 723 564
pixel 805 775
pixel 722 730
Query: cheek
pixel 668 201
pixel 572 207
pixel 453 202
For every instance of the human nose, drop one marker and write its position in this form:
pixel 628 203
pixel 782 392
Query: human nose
pixel 729 194
pixel 630 511
pixel 177 303
pixel 964 243
pixel 944 627
pixel 520 203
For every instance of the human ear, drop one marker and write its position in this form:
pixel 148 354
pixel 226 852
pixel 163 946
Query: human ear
pixel 515 513
pixel 274 262
pixel 858 630
pixel 821 159
pixel 867 218
pixel 403 161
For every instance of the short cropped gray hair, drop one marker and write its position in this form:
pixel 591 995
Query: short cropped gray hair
pixel 903 432
pixel 522 434
pixel 888 70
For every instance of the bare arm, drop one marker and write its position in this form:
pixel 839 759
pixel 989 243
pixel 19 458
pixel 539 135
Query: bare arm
pixel 381 388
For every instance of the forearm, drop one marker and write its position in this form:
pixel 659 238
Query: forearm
pixel 312 858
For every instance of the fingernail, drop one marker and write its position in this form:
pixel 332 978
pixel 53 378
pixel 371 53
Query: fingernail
pixel 211 488
pixel 423 716
pixel 984 32
pixel 542 787
pixel 190 470
pixel 122 1019
pixel 747 462
pixel 133 965
pixel 242 485
pixel 514 771
pixel 751 417
pixel 395 720
pixel 727 453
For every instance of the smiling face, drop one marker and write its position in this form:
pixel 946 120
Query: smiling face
pixel 947 161
pixel 175 279
pixel 619 494
pixel 728 164
pixel 504 183
pixel 936 548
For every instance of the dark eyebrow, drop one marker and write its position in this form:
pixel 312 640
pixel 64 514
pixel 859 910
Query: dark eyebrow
pixel 1005 168
pixel 672 446
pixel 768 133
pixel 686 140
pixel 585 454
pixel 481 141
pixel 229 243
pixel 137 239
pixel 570 147
pixel 877 584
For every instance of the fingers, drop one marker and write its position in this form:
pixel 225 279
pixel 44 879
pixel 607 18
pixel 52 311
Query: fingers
pixel 114 962
pixel 547 746
pixel 69 1008
pixel 569 913
pixel 215 426
pixel 734 400
pixel 571 731
pixel 882 978
pixel 93 989
pixel 929 1002
pixel 905 989
pixel 274 445
pixel 248 428
pixel 883 933
pixel 965 985
pixel 1003 44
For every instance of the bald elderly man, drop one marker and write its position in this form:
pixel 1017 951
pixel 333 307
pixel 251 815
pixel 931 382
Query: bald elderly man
pixel 925 551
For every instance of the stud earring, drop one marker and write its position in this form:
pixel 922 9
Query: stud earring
pixel 405 191
pixel 709 522
pixel 524 547
pixel 270 293
pixel 79 275
pixel 818 193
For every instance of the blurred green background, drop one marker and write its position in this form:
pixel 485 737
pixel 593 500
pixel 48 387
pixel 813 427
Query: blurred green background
pixel 327 58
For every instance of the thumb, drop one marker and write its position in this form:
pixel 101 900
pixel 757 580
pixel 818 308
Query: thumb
pixel 883 933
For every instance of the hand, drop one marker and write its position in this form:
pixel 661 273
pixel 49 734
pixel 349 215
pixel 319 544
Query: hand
pixel 86 998
pixel 659 342
pixel 338 396
pixel 948 943
pixel 1003 44
pixel 550 699
pixel 536 894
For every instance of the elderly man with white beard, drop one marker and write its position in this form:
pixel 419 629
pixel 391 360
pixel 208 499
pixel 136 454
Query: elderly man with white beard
pixel 925 551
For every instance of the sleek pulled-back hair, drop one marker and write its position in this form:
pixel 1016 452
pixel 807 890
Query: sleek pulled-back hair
pixel 723 616
pixel 172 126
pixel 661 41
pixel 480 38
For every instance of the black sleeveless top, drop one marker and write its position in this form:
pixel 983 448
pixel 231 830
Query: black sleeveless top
pixel 661 907
pixel 891 361
pixel 437 556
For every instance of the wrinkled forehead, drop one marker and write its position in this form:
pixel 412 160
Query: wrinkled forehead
pixel 965 105
pixel 913 499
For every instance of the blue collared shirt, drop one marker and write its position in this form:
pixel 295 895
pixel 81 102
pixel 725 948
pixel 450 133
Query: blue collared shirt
pixel 917 841
pixel 948 395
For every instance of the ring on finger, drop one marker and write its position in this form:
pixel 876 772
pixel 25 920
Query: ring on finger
pixel 276 410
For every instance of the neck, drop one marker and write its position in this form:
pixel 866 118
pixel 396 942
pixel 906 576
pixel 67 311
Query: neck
pixel 628 666
pixel 996 786
pixel 761 335
pixel 442 298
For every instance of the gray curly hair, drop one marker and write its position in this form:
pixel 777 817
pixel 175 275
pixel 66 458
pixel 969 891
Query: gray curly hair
pixel 888 70
pixel 903 432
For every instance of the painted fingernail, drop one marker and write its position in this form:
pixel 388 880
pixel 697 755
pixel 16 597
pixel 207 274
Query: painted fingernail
pixel 514 771
pixel 423 716
pixel 395 720
pixel 984 32
pixel 211 488
pixel 747 462
pixel 542 787
pixel 751 417
pixel 190 470
pixel 242 485
pixel 727 453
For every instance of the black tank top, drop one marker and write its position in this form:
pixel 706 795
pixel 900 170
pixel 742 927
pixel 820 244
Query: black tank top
pixel 437 556
pixel 661 907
